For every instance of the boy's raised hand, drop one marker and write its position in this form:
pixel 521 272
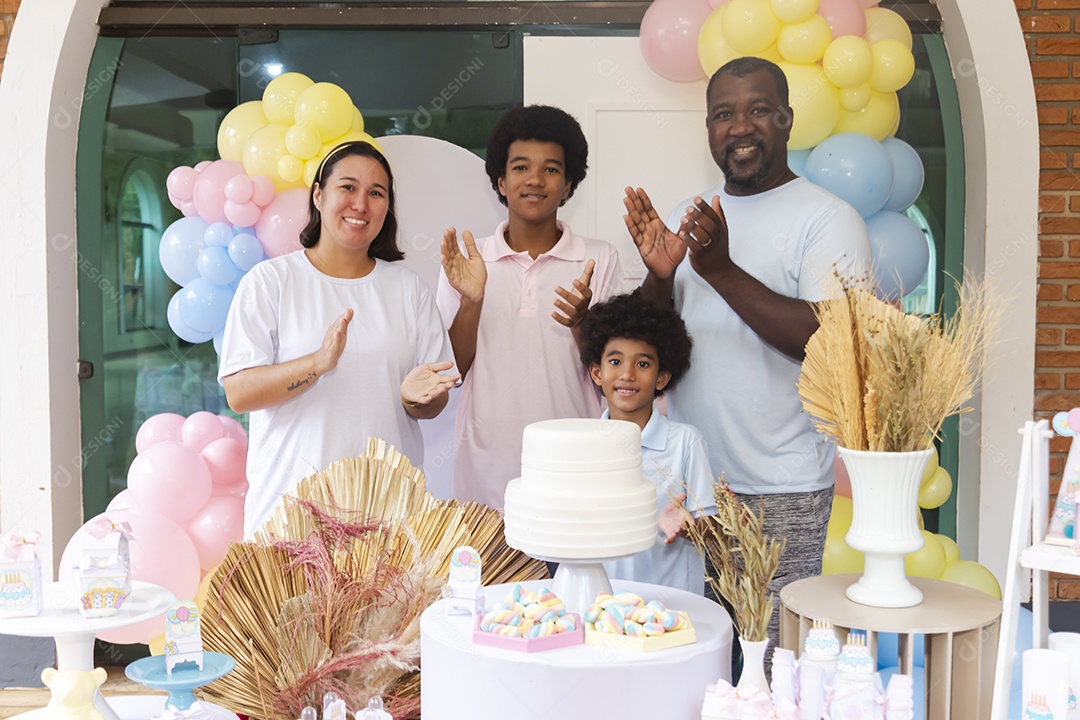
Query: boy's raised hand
pixel 661 250
pixel 674 518
pixel 466 273
pixel 572 307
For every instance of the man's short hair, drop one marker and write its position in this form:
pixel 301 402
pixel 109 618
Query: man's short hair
pixel 741 67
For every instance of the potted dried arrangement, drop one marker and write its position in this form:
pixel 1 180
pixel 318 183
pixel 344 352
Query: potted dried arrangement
pixel 880 383
pixel 745 560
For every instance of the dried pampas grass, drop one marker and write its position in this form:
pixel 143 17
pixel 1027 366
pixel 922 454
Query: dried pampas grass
pixel 875 378
pixel 329 595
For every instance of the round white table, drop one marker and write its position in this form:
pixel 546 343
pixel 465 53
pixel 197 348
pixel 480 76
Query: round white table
pixel 74 635
pixel 463 681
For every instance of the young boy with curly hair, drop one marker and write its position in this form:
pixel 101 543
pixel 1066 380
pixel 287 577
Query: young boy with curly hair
pixel 636 349
pixel 514 301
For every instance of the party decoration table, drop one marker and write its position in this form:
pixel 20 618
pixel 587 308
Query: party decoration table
pixel 74 635
pixel 960 626
pixel 462 680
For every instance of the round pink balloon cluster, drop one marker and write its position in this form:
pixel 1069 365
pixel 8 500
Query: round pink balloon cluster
pixel 219 191
pixel 184 503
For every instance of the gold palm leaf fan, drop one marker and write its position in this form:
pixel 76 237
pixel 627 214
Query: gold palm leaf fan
pixel 329 594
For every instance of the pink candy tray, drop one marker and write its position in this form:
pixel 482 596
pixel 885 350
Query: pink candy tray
pixel 528 645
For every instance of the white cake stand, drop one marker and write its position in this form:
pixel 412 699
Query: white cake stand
pixel 578 581
pixel 74 635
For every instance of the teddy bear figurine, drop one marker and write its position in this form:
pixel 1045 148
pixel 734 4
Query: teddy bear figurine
pixel 73 693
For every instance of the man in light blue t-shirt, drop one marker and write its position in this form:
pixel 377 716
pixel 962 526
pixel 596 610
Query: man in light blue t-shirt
pixel 743 264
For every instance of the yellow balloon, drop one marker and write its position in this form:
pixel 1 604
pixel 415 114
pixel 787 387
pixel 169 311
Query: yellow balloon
pixel 928 561
pixel 794 11
pixel 816 103
pixel 311 167
pixel 239 125
pixel 876 119
pixel 972 575
pixel 279 97
pixel 353 136
pixel 854 99
pixel 931 468
pixel 262 152
pixel 804 42
pixel 848 62
pixel 840 519
pixel 357 121
pixel 303 141
pixel 290 168
pixel 882 24
pixel 157 644
pixel 840 559
pixel 750 25
pixel 204 588
pixel 327 108
pixel 952 551
pixel 713 50
pixel 934 493
pixel 892 66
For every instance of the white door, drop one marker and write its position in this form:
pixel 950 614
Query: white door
pixel 643 131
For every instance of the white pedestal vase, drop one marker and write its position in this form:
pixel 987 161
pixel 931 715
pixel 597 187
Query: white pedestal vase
pixel 884 523
pixel 753 666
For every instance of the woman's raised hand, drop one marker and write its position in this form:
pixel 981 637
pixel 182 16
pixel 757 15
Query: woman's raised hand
pixel 333 343
pixel 466 272
pixel 424 383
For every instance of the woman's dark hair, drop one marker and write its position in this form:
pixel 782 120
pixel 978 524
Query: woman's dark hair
pixel 384 246
pixel 634 317
pixel 542 123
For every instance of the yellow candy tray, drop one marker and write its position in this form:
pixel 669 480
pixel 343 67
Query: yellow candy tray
pixel 671 639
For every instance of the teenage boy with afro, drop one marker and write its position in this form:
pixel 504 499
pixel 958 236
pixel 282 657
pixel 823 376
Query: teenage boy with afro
pixel 514 301
pixel 636 349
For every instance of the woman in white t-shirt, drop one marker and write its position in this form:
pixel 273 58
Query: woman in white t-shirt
pixel 334 343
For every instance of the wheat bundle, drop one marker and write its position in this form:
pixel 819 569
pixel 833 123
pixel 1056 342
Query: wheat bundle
pixel 329 595
pixel 875 378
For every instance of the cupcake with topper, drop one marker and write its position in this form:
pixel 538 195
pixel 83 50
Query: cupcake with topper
pixel 855 660
pixel 822 648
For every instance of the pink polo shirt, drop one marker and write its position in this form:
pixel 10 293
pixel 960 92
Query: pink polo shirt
pixel 526 367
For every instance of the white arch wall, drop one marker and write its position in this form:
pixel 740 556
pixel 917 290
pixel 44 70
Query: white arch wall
pixel 40 97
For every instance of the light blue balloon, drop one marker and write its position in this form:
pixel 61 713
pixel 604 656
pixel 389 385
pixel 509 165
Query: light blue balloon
pixel 204 306
pixel 908 174
pixel 796 160
pixel 218 339
pixel 218 234
pixel 181 328
pixel 888 651
pixel 855 168
pixel 900 254
pixel 246 251
pixel 180 246
pixel 216 266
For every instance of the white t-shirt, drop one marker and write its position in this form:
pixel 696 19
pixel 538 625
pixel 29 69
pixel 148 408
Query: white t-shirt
pixel 674 458
pixel 527 366
pixel 281 312
pixel 741 392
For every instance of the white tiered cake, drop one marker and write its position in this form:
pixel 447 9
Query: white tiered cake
pixel 581 495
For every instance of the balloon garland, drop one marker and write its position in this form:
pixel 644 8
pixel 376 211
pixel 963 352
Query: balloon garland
pixel 844 61
pixel 252 203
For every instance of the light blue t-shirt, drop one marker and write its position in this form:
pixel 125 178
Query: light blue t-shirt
pixel 740 392
pixel 674 459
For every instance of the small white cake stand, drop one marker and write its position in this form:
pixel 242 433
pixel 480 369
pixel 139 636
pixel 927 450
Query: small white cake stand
pixel 578 581
pixel 61 620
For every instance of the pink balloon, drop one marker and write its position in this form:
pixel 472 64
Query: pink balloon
pixel 234 430
pixel 669 32
pixel 181 182
pixel 239 189
pixel 187 207
pixel 161 553
pixel 203 165
pixel 170 479
pixel 845 17
pixel 209 194
pixel 244 214
pixel 718 3
pixel 159 428
pixel 1074 420
pixel 282 220
pixel 263 190
pixel 236 491
pixel 201 429
pixel 219 523
pixel 227 460
pixel 867 4
pixel 122 501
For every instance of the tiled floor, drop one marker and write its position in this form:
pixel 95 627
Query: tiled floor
pixel 14 701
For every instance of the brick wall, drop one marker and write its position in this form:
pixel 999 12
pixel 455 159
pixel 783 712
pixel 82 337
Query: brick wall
pixel 1052 30
pixel 8 8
